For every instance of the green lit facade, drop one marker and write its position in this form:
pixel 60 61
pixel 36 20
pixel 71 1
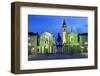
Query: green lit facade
pixel 46 43
pixel 73 43
pixel 73 39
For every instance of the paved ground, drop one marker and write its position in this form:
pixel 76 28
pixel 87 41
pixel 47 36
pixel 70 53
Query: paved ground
pixel 57 56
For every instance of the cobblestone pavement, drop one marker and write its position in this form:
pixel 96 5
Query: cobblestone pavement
pixel 57 56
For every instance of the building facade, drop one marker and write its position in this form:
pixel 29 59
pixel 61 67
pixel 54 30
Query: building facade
pixel 46 43
pixel 73 39
pixel 32 43
pixel 83 40
pixel 73 43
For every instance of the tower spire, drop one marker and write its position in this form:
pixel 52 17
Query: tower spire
pixel 64 22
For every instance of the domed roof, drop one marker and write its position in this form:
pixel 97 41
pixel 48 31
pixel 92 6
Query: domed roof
pixel 46 38
pixel 46 34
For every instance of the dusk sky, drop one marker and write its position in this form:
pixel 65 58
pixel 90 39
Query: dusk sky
pixel 53 24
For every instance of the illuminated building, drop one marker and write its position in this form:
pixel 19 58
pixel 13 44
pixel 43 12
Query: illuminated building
pixel 83 40
pixel 46 43
pixel 32 43
pixel 73 39
pixel 64 34
pixel 73 42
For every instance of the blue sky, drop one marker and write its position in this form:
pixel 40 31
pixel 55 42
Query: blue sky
pixel 53 24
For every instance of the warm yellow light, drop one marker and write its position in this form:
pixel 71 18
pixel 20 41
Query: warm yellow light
pixel 64 40
pixel 64 34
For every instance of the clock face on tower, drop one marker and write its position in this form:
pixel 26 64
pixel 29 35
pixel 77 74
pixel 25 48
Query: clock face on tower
pixel 64 29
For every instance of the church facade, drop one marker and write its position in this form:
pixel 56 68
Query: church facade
pixel 46 43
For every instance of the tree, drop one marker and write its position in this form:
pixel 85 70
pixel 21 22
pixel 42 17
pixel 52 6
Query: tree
pixel 59 39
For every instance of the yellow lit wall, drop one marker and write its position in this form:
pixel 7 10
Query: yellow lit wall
pixel 64 38
pixel 64 34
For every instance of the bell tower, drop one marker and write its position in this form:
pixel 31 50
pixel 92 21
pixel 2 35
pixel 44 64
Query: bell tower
pixel 64 33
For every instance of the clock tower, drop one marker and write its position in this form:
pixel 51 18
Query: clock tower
pixel 64 33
